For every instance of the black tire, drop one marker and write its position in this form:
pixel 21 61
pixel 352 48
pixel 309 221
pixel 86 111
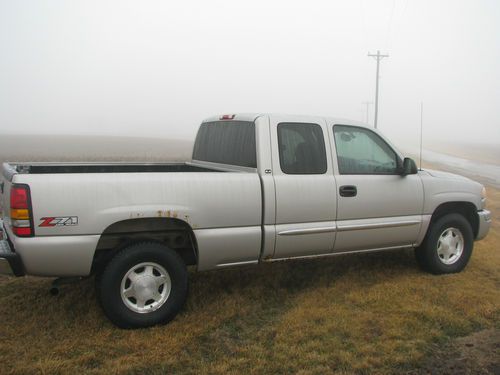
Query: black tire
pixel 110 285
pixel 427 254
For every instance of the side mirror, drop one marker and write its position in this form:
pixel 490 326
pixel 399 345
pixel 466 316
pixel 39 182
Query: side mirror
pixel 409 167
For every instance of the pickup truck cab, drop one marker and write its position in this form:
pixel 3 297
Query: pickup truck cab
pixel 259 188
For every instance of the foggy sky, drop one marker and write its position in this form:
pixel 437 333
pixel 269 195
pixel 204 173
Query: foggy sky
pixel 157 68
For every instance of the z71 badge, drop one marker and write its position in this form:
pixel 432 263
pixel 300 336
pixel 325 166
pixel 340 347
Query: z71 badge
pixel 58 221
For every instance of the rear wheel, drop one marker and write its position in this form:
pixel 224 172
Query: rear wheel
pixel 143 285
pixel 447 246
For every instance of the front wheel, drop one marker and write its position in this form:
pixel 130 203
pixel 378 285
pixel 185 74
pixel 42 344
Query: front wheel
pixel 447 246
pixel 143 285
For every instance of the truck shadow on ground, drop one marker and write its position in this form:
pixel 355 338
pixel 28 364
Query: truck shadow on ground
pixel 300 274
pixel 269 282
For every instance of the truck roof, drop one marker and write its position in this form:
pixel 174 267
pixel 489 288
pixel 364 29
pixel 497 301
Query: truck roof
pixel 253 116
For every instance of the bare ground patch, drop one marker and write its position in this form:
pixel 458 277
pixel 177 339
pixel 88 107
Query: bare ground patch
pixel 478 353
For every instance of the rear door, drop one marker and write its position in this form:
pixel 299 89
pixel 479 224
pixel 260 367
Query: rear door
pixel 305 187
pixel 377 207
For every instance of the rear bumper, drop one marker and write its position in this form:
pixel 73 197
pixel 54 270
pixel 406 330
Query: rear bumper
pixel 10 262
pixel 484 224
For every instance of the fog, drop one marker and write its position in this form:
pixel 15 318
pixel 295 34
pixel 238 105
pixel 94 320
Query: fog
pixel 157 68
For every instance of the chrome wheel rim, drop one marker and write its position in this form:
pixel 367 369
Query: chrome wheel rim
pixel 145 287
pixel 450 246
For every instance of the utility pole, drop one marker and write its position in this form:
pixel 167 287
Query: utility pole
pixel 367 110
pixel 377 57
pixel 421 130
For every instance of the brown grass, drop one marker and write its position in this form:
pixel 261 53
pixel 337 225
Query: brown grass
pixel 374 313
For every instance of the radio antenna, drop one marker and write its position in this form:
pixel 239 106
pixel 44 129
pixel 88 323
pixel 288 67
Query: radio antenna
pixel 421 130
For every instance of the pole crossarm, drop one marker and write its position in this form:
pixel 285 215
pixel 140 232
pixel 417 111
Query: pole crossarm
pixel 377 56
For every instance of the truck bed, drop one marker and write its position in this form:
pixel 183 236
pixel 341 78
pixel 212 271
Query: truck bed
pixel 221 207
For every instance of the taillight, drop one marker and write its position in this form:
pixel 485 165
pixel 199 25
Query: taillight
pixel 20 210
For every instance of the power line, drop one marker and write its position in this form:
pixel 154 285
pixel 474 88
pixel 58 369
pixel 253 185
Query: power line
pixel 389 26
pixel 363 21
pixel 377 57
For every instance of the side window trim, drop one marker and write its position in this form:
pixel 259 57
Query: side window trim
pixel 378 138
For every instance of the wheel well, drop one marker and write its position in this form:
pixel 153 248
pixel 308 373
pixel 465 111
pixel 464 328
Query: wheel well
pixel 174 233
pixel 466 209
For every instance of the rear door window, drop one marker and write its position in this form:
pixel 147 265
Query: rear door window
pixel 301 148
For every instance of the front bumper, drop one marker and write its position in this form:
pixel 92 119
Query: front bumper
pixel 10 262
pixel 484 224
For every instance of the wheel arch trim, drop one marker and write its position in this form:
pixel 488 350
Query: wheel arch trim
pixel 123 233
pixel 464 208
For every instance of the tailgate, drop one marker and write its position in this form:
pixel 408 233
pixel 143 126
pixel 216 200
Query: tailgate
pixel 5 183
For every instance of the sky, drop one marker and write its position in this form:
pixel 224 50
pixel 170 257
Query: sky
pixel 157 68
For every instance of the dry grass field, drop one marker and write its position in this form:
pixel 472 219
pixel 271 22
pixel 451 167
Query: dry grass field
pixel 360 314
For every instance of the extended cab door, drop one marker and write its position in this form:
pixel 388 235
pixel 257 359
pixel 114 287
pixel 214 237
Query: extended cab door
pixel 305 187
pixel 377 207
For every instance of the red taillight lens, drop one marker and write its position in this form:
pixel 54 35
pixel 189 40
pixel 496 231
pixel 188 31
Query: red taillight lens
pixel 20 211
pixel 22 232
pixel 19 197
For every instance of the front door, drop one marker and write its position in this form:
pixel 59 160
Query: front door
pixel 377 207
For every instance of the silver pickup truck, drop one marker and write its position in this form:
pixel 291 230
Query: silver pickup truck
pixel 259 188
